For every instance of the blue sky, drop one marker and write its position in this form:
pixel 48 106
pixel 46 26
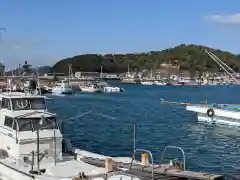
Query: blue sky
pixel 46 31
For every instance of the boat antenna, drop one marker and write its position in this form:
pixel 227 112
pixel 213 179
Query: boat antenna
pixel 134 139
pixel 222 65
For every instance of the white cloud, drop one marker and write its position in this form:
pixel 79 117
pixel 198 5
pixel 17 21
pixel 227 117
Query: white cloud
pixel 233 19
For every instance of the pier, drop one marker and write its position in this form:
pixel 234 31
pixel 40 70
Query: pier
pixel 143 170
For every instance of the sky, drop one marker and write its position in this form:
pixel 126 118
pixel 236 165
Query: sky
pixel 44 32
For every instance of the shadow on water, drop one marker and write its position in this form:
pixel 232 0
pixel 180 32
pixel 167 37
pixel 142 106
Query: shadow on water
pixel 106 125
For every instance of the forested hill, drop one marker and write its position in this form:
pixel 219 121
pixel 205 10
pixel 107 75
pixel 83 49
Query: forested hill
pixel 188 57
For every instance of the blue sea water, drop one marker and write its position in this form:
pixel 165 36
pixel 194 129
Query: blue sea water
pixel 102 123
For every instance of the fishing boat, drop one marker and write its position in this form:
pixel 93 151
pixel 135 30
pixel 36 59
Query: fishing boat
pixel 106 87
pixel 33 146
pixel 160 83
pixel 188 82
pixel 146 82
pixel 62 88
pixel 65 86
pixel 91 88
pixel 112 89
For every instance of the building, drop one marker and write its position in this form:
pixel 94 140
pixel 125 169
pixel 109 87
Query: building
pixel 87 74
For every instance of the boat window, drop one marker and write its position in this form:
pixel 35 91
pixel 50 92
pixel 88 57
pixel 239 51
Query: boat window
pixel 6 104
pixel 8 121
pixel 28 103
pixel 25 125
pixel 32 124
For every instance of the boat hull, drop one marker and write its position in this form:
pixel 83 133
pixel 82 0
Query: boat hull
pixel 62 91
pixel 91 90
pixel 112 89
pixel 147 83
pixel 221 115
pixel 160 84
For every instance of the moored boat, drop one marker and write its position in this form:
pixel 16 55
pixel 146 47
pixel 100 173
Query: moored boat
pixel 62 88
pixel 144 82
pixel 228 114
pixel 112 89
pixel 160 83
pixel 91 88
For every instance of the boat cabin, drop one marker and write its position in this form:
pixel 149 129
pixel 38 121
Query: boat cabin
pixel 26 127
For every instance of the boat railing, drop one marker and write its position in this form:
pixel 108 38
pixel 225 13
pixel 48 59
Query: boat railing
pixel 178 148
pixel 143 151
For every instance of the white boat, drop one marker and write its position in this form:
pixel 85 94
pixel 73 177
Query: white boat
pixel 228 114
pixel 65 87
pixel 160 83
pixel 146 82
pixel 31 143
pixel 91 88
pixel 62 88
pixel 112 89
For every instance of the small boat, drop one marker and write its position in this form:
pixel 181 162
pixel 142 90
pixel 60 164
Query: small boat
pixel 62 88
pixel 91 88
pixel 112 89
pixel 160 83
pixel 65 87
pixel 146 82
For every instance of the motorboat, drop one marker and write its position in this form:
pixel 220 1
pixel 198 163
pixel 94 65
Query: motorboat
pixel 112 89
pixel 91 88
pixel 143 82
pixel 160 83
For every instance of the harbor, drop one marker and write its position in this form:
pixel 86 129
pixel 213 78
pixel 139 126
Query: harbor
pixel 108 109
pixel 97 156
pixel 97 92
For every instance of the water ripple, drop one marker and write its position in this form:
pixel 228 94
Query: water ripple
pixel 102 123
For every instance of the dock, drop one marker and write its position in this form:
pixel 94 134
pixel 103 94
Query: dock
pixel 147 172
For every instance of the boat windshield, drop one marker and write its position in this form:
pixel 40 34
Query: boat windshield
pixel 28 104
pixel 32 124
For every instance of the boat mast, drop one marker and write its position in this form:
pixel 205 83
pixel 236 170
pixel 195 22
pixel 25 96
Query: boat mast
pixel 69 74
pixel 222 64
pixel 101 72
pixel 38 82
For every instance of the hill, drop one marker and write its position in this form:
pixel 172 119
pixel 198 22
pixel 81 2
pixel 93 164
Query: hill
pixel 188 57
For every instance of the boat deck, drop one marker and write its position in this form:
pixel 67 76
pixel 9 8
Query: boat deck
pixel 227 107
pixel 146 173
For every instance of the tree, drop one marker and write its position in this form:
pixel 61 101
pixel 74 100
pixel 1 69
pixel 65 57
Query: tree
pixel 189 57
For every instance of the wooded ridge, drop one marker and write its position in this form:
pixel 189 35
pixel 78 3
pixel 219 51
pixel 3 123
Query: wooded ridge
pixel 187 57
